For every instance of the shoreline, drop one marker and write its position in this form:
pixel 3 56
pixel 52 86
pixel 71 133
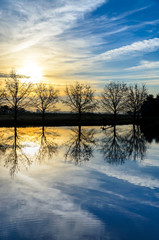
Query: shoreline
pixel 69 119
pixel 64 119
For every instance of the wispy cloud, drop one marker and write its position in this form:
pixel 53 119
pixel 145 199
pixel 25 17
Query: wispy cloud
pixel 139 47
pixel 39 23
pixel 128 13
pixel 68 38
pixel 144 65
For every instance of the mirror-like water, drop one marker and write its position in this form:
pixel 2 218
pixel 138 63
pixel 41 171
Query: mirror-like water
pixel 79 183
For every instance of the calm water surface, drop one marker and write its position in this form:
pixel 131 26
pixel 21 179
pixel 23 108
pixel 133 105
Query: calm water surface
pixel 79 183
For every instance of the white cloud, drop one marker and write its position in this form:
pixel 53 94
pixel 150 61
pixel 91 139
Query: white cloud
pixel 145 65
pixel 43 22
pixel 139 47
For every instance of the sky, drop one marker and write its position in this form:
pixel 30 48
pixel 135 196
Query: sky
pixel 90 41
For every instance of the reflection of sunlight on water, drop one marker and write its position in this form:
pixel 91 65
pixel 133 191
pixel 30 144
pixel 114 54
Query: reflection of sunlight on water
pixel 30 149
pixel 38 148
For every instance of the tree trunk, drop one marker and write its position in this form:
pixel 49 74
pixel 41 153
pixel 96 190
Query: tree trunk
pixel 134 117
pixel 114 118
pixel 43 117
pixel 138 117
pixel 79 117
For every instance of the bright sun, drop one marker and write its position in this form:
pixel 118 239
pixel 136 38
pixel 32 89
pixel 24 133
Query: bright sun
pixel 32 71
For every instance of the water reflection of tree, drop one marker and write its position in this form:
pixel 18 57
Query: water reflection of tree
pixel 117 146
pixel 80 145
pixel 113 146
pixel 48 147
pixel 151 132
pixel 136 144
pixel 14 156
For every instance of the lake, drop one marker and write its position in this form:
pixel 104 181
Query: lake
pixel 78 183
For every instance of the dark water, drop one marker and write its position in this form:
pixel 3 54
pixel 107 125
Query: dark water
pixel 79 183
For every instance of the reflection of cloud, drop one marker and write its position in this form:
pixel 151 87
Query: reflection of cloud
pixel 64 201
pixel 125 174
pixel 63 216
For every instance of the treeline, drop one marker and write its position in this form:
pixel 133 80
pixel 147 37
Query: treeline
pixel 80 98
pixel 150 107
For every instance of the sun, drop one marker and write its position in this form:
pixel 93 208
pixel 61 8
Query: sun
pixel 32 71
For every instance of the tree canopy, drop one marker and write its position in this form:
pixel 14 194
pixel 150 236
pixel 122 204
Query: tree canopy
pixel 135 98
pixel 80 98
pixel 16 93
pixel 113 97
pixel 45 98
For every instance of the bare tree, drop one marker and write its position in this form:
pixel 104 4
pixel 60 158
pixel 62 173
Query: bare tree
pixel 45 99
pixel 135 99
pixel 16 93
pixel 113 98
pixel 80 98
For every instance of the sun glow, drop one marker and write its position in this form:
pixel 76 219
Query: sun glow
pixel 32 71
pixel 30 149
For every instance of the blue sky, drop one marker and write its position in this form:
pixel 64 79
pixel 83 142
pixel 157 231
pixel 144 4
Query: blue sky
pixel 93 41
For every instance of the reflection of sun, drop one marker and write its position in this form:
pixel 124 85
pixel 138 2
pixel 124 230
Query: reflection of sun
pixel 30 149
pixel 32 71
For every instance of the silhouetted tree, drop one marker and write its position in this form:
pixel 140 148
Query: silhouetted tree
pixel 150 107
pixel 16 93
pixel 45 98
pixel 79 146
pixel 113 98
pixel 135 99
pixel 80 98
